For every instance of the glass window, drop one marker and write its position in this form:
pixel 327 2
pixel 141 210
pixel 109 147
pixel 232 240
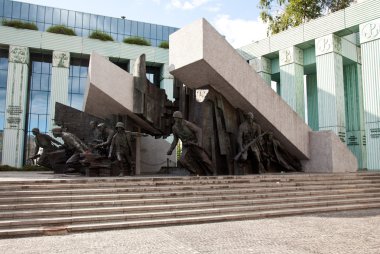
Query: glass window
pixel 159 32
pixel 165 33
pixel 8 9
pixel 77 82
pixel 49 15
pixel 32 12
pixel 16 10
pixel 153 31
pixel 128 27
pixel 120 37
pixel 134 28
pixel 1 7
pixel 114 25
pixel 100 23
pixel 41 26
pixel 3 90
pixel 120 26
pixel 41 14
pixel 78 31
pixel 140 29
pixel 64 17
pixel 146 30
pixel 24 11
pixel 85 32
pixel 86 21
pixel 78 19
pixel 107 24
pixel 56 16
pixel 93 22
pixel 71 19
pixel 39 98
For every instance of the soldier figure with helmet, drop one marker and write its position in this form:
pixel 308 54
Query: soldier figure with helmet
pixel 193 157
pixel 45 142
pixel 121 149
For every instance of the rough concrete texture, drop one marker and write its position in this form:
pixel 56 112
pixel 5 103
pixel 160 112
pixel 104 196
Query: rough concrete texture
pixel 110 91
pixel 199 56
pixel 328 147
pixel 353 232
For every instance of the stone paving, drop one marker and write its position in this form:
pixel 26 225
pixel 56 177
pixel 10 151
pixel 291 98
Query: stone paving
pixel 341 233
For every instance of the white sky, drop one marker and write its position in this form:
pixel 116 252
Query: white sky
pixel 235 19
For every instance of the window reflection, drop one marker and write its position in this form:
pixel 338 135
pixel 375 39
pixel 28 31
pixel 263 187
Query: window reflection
pixel 3 93
pixel 83 23
pixel 77 82
pixel 39 95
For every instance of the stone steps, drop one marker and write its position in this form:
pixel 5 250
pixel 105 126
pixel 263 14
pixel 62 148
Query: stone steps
pixel 128 189
pixel 73 205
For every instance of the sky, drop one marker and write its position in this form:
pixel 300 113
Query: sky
pixel 237 20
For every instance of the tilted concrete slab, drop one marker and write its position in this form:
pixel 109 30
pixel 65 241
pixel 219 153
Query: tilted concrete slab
pixel 199 56
pixel 110 92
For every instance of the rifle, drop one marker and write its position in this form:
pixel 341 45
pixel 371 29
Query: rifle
pixel 248 146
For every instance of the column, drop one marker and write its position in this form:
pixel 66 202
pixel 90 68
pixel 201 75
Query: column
pixel 331 111
pixel 355 112
pixel 370 55
pixel 262 66
pixel 312 101
pixel 167 81
pixel 291 76
pixel 59 82
pixel 17 90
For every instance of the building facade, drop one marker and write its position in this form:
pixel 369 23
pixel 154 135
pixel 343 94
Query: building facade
pixel 38 68
pixel 328 71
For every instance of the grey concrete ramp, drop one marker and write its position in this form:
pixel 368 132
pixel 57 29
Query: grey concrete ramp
pixel 199 56
pixel 110 91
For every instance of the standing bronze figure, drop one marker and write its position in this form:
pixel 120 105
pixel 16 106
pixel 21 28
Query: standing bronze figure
pixel 105 134
pixel 193 157
pixel 249 141
pixel 121 149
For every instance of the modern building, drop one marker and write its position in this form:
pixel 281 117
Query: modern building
pixel 33 76
pixel 328 71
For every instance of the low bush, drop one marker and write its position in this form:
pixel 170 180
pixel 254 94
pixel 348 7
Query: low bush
pixel 61 29
pixel 164 45
pixel 100 36
pixel 19 24
pixel 137 41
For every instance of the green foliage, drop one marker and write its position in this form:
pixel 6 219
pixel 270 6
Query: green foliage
pixel 61 29
pixel 137 41
pixel 282 14
pixel 19 24
pixel 24 168
pixel 100 36
pixel 164 45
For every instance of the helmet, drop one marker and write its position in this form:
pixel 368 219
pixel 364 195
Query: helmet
pixel 120 125
pixel 36 130
pixel 250 115
pixel 177 114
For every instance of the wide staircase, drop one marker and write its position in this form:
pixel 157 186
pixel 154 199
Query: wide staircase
pixel 46 207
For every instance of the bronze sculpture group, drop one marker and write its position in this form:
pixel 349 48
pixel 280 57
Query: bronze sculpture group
pixel 257 152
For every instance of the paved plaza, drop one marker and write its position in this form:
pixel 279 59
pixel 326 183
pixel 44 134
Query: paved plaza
pixel 341 233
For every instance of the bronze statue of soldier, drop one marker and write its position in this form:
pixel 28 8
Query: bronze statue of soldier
pixel 74 148
pixel 45 142
pixel 275 156
pixel 249 142
pixel 121 150
pixel 105 139
pixel 193 157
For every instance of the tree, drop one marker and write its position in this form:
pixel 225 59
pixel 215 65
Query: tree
pixel 282 14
